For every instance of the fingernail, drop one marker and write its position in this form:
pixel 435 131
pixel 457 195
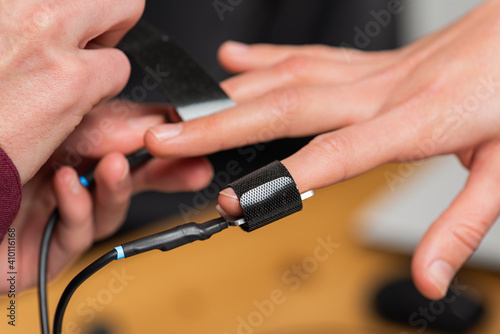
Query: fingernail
pixel 221 211
pixel 126 171
pixel 143 123
pixel 440 273
pixel 166 131
pixel 237 47
pixel 70 178
pixel 229 193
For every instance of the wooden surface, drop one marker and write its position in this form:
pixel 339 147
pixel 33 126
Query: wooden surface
pixel 244 283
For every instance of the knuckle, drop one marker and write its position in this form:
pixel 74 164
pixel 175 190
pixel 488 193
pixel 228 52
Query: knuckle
pixel 207 125
pixel 295 67
pixel 284 103
pixel 114 69
pixel 135 11
pixel 334 148
pixel 73 81
pixel 389 76
pixel 74 75
pixel 470 234
pixel 41 20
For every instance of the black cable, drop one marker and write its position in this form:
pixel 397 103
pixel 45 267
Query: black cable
pixel 164 241
pixel 42 271
pixel 76 282
pixel 135 159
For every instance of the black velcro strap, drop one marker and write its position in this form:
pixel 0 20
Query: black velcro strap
pixel 182 80
pixel 266 195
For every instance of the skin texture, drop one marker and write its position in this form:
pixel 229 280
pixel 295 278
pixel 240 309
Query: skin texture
pixel 87 217
pixel 439 95
pixel 57 61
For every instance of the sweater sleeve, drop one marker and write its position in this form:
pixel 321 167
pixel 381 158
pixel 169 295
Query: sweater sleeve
pixel 10 193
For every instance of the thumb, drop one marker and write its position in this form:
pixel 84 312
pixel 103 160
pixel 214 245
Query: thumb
pixel 456 235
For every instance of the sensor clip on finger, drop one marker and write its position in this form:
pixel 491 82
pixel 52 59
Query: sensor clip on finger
pixel 266 195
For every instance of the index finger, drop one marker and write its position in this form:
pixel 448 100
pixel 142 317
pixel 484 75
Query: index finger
pixel 343 154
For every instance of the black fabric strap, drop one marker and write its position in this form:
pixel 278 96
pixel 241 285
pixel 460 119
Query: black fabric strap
pixel 182 80
pixel 266 195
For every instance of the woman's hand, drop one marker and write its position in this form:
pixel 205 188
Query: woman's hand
pixel 106 134
pixel 439 95
pixel 56 62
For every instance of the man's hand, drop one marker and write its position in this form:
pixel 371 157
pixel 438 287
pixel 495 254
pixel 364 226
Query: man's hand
pixel 439 95
pixel 56 62
pixel 87 217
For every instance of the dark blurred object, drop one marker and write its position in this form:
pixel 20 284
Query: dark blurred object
pixel 99 329
pixel 401 302
pixel 200 28
pixel 197 25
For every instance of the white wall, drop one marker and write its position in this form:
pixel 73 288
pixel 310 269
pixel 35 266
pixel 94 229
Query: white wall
pixel 421 17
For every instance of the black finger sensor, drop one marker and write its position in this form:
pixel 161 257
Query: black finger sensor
pixel 266 195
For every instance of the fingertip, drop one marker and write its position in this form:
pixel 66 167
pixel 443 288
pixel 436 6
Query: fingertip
pixel 151 142
pixel 75 208
pixel 197 174
pixel 236 48
pixel 156 137
pixel 113 170
pixel 66 181
pixel 440 274
pixel 426 283
pixel 63 176
pixel 203 174
pixel 230 55
pixel 230 203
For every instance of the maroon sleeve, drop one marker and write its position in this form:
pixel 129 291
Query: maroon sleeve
pixel 10 193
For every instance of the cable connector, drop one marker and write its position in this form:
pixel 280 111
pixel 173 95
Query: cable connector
pixel 173 238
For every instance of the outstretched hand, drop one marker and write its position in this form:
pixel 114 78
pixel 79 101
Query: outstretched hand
pixel 439 95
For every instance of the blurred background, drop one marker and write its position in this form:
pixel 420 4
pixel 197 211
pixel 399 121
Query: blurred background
pixel 272 281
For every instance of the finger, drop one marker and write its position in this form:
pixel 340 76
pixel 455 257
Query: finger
pixel 112 194
pixel 230 203
pixel 108 72
pixel 74 231
pixel 340 155
pixel 103 130
pixel 293 72
pixel 285 113
pixel 106 22
pixel 458 232
pixel 173 175
pixel 237 57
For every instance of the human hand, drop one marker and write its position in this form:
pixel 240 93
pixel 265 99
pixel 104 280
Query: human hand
pixel 439 95
pixel 57 62
pixel 105 134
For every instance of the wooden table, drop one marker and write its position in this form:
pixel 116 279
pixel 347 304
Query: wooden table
pixel 281 279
